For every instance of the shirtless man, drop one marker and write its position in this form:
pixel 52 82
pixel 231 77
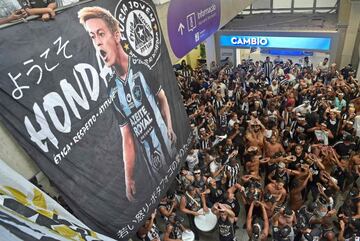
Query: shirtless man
pixel 285 218
pixel 273 147
pixel 255 135
pixel 269 204
pixel 277 190
pixel 253 166
pixel 297 186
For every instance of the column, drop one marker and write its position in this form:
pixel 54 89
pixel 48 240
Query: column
pixel 351 33
pixel 210 50
pixel 358 70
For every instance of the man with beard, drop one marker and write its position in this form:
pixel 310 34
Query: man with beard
pixel 142 121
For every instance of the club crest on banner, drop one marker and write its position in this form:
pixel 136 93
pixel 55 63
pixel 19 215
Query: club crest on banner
pixel 156 160
pixel 140 34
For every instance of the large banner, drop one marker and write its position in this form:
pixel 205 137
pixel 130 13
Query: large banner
pixel 92 98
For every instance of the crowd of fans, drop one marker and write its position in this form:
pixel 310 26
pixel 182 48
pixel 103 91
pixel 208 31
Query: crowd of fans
pixel 278 138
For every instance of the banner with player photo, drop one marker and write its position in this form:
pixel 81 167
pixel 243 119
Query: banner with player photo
pixel 92 98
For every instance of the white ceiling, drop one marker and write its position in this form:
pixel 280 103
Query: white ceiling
pixel 291 6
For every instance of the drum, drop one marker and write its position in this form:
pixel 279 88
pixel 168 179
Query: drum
pixel 188 235
pixel 205 222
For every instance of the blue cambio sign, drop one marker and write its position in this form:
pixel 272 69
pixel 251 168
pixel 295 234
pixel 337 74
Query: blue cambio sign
pixel 311 43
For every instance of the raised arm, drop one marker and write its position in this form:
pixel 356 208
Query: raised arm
pixel 265 231
pixel 249 220
pixel 146 228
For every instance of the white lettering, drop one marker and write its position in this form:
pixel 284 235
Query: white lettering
pixel 263 41
pixel 51 101
pixel 247 41
pixel 233 40
pixel 94 90
pixel 44 133
pixel 253 41
pixel 72 96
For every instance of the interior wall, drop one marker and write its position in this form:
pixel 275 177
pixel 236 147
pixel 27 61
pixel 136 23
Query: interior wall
pixel 228 53
pixel 356 56
pixel 210 46
pixel 13 155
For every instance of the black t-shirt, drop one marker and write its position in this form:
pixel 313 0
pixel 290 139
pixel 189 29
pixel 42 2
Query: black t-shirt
pixel 35 3
pixel 226 230
pixel 344 150
pixel 299 160
pixel 216 194
pixel 315 170
pixel 332 126
pixel 302 130
pixel 235 206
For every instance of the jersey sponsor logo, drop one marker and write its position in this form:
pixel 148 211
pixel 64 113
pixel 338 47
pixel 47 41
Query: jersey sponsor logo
pixel 141 122
pixel 137 93
pixel 140 33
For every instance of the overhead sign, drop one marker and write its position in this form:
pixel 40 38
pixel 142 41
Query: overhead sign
pixel 311 43
pixel 191 22
pixel 92 97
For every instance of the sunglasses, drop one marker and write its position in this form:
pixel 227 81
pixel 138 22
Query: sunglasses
pixel 197 173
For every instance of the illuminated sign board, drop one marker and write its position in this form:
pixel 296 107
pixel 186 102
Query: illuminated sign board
pixel 311 43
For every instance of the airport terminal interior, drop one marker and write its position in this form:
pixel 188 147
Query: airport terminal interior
pixel 253 105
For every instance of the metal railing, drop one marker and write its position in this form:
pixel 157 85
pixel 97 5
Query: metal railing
pixel 30 18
